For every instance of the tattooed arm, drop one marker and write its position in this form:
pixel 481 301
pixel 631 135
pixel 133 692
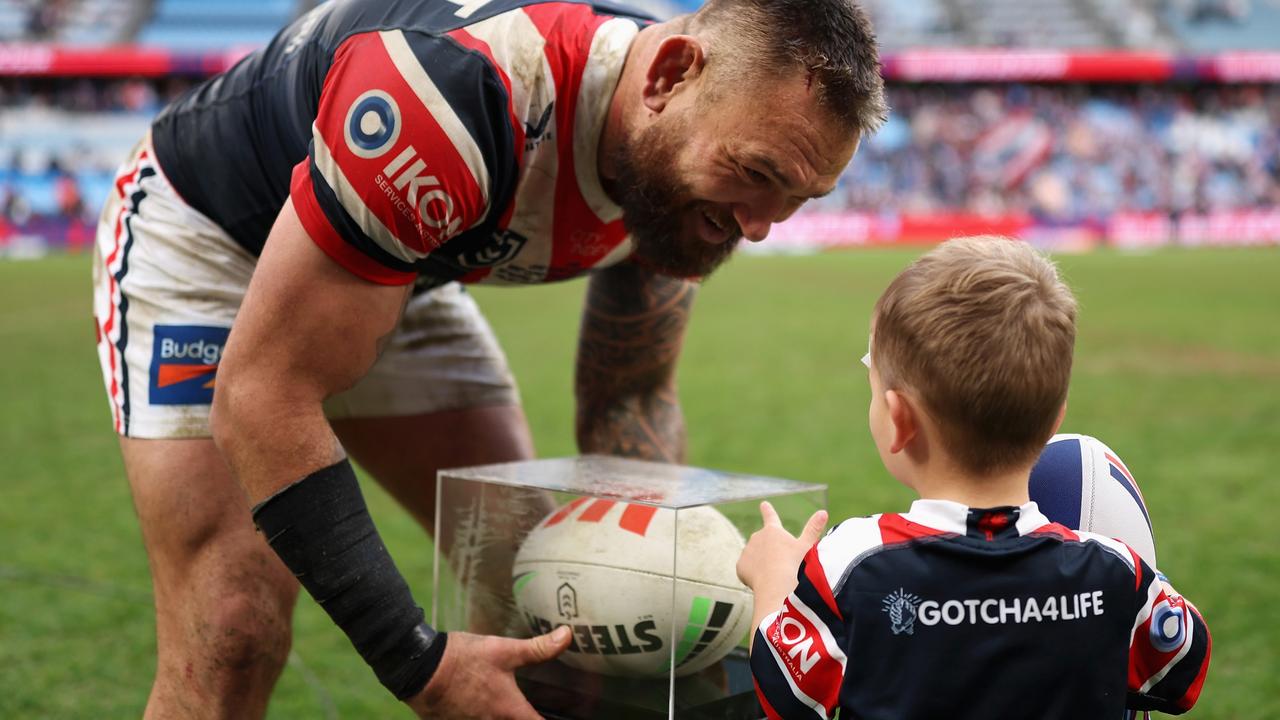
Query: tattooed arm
pixel 632 331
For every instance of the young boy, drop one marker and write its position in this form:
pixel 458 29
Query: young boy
pixel 971 605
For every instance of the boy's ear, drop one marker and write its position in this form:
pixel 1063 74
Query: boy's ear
pixel 679 58
pixel 906 422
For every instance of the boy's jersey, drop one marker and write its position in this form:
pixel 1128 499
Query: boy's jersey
pixel 953 612
pixel 456 139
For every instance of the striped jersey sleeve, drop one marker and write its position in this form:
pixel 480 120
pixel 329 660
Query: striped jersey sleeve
pixel 797 657
pixel 413 144
pixel 1170 647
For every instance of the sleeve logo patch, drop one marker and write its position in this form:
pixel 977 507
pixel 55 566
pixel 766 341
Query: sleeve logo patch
pixel 1168 627
pixel 184 363
pixel 373 124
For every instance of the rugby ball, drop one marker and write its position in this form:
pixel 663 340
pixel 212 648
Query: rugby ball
pixel 1081 483
pixel 604 568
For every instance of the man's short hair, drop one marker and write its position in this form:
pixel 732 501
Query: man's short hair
pixel 830 41
pixel 982 329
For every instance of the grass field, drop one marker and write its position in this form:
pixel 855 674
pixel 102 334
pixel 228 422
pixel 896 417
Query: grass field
pixel 1178 368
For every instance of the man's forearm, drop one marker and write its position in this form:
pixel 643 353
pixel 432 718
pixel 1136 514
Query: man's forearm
pixel 632 333
pixel 649 427
pixel 270 441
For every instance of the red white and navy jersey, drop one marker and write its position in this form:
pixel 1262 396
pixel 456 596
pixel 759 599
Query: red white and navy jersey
pixel 955 612
pixel 448 139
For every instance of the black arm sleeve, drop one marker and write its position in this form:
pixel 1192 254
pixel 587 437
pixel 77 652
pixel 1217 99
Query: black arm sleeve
pixel 320 527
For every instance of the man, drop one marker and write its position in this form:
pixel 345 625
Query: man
pixel 326 194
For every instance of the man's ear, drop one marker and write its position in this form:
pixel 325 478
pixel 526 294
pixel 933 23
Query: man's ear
pixel 678 59
pixel 903 415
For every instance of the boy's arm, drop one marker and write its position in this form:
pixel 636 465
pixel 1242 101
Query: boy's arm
pixel 768 563
pixel 1169 649
pixel 797 660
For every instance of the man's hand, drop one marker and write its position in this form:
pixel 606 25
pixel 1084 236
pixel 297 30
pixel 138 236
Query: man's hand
pixel 475 677
pixel 769 563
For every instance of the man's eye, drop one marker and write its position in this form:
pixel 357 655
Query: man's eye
pixel 755 175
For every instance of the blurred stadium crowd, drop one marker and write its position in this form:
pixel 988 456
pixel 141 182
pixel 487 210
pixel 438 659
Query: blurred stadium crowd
pixel 1070 151
pixel 1201 25
pixel 1059 152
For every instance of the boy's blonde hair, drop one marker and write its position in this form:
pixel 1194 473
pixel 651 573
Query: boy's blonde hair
pixel 982 330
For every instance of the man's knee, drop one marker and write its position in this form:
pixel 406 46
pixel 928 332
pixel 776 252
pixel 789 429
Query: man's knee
pixel 244 630
pixel 235 626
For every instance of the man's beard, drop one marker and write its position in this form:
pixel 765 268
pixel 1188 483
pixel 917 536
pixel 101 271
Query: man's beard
pixel 658 210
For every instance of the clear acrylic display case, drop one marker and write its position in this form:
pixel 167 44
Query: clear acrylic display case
pixel 485 514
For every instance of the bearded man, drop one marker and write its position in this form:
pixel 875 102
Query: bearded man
pixel 302 226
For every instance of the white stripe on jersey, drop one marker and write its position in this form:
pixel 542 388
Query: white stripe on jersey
pixel 845 544
pixel 828 640
pixel 944 515
pixel 1153 591
pixel 413 73
pixel 368 221
pixel 781 664
pixel 1028 520
pixel 599 79
pixel 1118 548
pixel 520 50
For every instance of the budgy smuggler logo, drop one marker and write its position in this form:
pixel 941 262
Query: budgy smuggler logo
pixel 184 361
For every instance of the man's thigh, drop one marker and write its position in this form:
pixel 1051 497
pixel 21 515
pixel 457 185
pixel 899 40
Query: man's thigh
pixel 167 285
pixel 403 453
pixel 481 526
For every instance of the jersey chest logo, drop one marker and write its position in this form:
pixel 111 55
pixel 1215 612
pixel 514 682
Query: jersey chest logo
pixel 901 607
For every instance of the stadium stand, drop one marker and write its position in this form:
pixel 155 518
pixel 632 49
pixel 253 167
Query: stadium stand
pixel 1070 152
pixel 62 138
pixel 1030 23
pixel 199 24
pixel 1170 134
pixel 923 23
pixel 80 22
pixel 1218 25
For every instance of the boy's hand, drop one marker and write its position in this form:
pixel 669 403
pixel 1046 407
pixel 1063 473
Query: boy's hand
pixel 773 555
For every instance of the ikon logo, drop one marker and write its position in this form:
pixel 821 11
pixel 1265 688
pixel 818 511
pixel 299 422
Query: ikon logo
pixel 373 124
pixel 434 206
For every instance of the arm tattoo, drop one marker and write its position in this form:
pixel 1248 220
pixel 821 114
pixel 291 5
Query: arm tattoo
pixel 632 331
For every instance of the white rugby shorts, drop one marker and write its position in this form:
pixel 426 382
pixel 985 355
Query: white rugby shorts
pixel 168 283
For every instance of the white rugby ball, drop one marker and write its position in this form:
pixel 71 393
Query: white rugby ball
pixel 1081 483
pixel 604 568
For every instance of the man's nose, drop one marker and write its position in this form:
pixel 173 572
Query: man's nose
pixel 757 218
